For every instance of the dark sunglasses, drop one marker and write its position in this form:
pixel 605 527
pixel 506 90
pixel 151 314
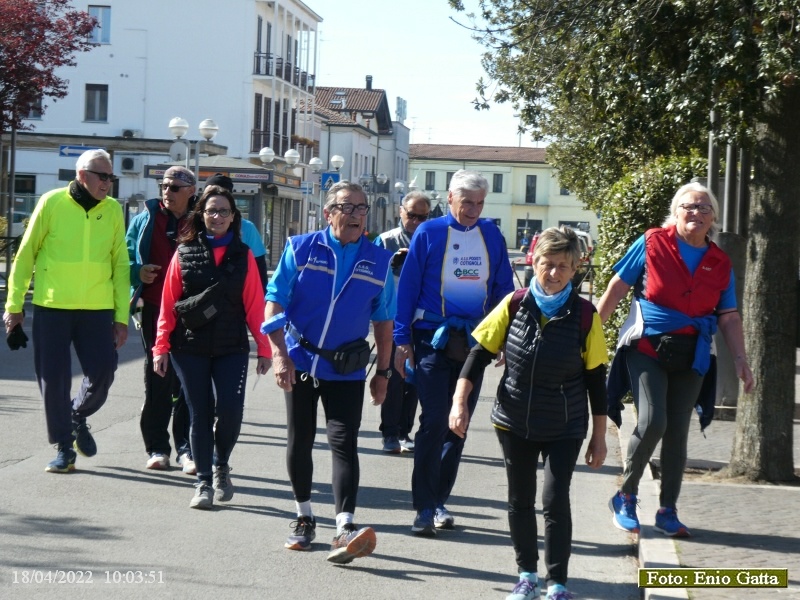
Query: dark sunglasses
pixel 172 187
pixel 103 176
pixel 415 216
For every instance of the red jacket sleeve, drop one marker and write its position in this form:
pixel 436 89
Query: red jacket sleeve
pixel 173 288
pixel 253 299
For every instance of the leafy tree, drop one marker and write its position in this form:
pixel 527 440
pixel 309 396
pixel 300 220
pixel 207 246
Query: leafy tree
pixel 36 38
pixel 615 83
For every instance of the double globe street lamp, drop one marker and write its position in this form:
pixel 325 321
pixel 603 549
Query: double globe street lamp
pixel 182 149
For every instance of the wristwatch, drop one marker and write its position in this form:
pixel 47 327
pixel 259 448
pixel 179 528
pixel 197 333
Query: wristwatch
pixel 384 373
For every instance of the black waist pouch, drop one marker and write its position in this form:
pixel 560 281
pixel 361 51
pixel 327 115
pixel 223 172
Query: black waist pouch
pixel 675 351
pixel 349 357
pixel 199 310
pixel 457 347
pixel 346 359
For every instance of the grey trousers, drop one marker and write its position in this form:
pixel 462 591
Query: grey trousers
pixel 664 401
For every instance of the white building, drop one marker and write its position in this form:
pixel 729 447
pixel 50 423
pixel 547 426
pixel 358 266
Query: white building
pixel 524 193
pixel 247 64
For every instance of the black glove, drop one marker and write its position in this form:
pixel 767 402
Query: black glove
pixel 16 338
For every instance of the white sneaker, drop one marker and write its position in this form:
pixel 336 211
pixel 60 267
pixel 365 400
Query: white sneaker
pixel 186 462
pixel 158 462
pixel 203 496
pixel 406 444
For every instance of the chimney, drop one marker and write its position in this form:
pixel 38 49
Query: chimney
pixel 369 82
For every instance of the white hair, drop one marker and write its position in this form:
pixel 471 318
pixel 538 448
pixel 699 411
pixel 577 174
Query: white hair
pixel 463 181
pixel 699 188
pixel 88 157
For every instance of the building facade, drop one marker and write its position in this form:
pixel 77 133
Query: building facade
pixel 250 68
pixel 524 193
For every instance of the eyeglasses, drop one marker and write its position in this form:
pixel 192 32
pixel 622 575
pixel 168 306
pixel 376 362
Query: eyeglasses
pixel 103 176
pixel 173 188
pixel 349 209
pixel 703 209
pixel 415 216
pixel 222 212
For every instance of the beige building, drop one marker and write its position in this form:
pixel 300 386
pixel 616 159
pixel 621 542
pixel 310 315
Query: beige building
pixel 524 193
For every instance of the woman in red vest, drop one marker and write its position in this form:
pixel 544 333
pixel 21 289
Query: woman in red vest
pixel 683 291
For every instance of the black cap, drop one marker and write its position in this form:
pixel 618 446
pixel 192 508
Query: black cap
pixel 221 180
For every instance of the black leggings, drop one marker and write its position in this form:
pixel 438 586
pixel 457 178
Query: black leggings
pixel 342 402
pixel 521 459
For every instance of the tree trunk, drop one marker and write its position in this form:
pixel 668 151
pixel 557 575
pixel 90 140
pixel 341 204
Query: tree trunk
pixel 762 448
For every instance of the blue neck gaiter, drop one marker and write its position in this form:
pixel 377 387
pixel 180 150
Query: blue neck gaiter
pixel 550 305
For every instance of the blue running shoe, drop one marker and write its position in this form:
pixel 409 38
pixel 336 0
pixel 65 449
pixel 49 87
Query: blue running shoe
pixel 524 590
pixel 558 592
pixel 64 461
pixel 442 519
pixel 84 442
pixel 423 523
pixel 668 524
pixel 624 508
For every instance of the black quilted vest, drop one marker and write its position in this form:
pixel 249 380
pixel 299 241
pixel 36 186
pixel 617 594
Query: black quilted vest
pixel 227 334
pixel 542 394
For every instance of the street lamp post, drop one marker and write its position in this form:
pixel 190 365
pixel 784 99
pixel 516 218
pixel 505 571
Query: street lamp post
pixel 316 167
pixel 178 127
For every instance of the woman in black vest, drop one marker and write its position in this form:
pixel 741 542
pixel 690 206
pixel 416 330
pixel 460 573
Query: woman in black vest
pixel 554 355
pixel 212 295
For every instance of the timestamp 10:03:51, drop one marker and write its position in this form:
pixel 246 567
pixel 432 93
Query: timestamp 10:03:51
pixel 85 577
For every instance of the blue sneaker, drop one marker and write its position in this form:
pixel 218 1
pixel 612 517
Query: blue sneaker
pixel 558 592
pixel 423 523
pixel 442 519
pixel 668 524
pixel 624 508
pixel 84 442
pixel 524 590
pixel 64 461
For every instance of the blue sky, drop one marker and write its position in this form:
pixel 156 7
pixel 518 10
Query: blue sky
pixel 413 50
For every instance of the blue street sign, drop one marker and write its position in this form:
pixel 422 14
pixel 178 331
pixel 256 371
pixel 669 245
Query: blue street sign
pixel 75 151
pixel 307 187
pixel 328 179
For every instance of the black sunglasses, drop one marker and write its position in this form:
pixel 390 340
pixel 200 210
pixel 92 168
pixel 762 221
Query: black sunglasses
pixel 103 176
pixel 415 216
pixel 172 187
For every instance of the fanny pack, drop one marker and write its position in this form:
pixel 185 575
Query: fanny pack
pixel 199 310
pixel 347 358
pixel 675 351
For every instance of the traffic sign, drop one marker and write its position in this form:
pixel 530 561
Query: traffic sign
pixel 307 187
pixel 70 151
pixel 328 179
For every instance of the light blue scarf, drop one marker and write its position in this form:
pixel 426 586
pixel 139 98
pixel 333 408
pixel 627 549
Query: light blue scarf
pixel 550 305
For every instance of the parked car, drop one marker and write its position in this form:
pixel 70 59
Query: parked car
pixel 583 264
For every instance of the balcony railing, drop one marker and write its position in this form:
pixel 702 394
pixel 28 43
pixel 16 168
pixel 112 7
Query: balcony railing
pixel 263 65
pixel 261 138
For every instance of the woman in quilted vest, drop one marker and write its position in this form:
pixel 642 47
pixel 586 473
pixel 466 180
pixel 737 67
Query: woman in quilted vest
pixel 554 357
pixel 212 296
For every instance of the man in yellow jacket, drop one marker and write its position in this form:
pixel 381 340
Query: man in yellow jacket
pixel 75 242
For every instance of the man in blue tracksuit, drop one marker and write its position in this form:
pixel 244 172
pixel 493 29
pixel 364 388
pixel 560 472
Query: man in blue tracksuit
pixel 457 269
pixel 327 288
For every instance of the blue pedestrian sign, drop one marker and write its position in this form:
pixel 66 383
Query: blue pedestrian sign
pixel 74 151
pixel 328 179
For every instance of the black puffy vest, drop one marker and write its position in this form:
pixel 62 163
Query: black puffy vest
pixel 227 334
pixel 542 394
